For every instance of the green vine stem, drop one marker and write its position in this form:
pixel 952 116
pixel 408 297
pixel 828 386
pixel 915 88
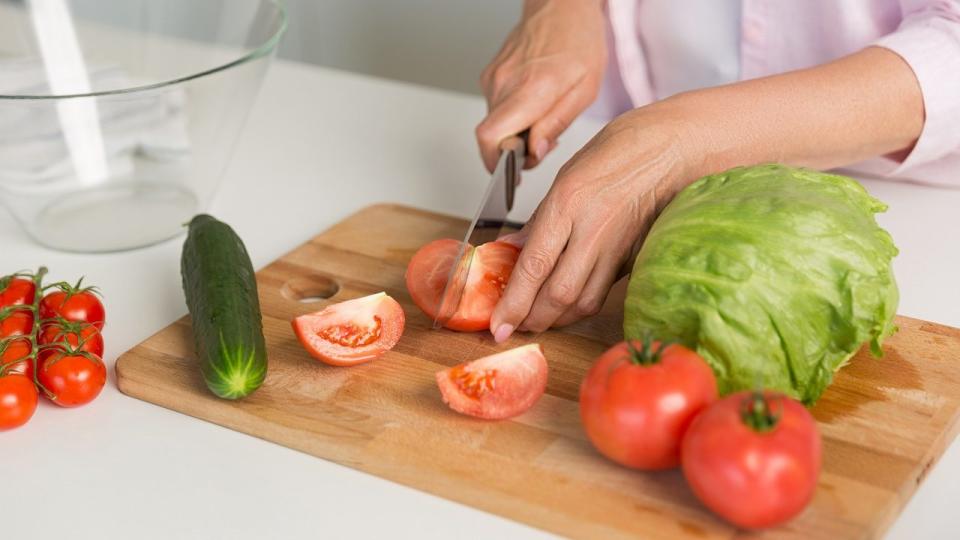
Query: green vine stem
pixel 757 412
pixel 62 346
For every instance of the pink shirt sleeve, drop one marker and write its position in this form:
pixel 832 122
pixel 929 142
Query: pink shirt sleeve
pixel 928 39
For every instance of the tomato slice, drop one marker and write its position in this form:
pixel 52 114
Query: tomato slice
pixel 490 269
pixel 496 387
pixel 351 332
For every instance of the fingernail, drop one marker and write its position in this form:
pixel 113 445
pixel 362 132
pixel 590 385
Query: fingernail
pixel 503 333
pixel 541 148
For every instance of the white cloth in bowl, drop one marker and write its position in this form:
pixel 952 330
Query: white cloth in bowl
pixel 33 149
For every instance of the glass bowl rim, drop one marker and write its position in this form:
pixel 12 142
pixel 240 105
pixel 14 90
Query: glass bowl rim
pixel 256 52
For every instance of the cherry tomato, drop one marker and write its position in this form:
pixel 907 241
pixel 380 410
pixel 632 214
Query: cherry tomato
pixel 352 332
pixel 16 291
pixel 636 402
pixel 753 458
pixel 81 306
pixel 72 334
pixel 490 269
pixel 495 387
pixel 73 379
pixel 15 357
pixel 18 400
pixel 16 323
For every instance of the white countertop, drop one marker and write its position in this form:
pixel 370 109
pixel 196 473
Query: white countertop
pixel 319 145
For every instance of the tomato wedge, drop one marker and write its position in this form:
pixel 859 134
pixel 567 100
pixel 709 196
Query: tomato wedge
pixel 490 269
pixel 351 332
pixel 496 387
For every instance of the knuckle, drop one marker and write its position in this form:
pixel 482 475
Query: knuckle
pixel 500 76
pixel 535 266
pixel 589 306
pixel 535 326
pixel 483 132
pixel 562 294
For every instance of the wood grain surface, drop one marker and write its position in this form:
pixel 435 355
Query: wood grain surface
pixel 884 421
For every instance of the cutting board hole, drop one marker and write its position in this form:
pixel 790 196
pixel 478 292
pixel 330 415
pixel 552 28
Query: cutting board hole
pixel 308 290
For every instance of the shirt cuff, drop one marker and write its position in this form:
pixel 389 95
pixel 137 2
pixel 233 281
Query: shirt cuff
pixel 931 47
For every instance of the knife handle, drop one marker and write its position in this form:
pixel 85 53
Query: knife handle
pixel 512 143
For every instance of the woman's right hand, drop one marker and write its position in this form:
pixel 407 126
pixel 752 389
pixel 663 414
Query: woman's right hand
pixel 548 71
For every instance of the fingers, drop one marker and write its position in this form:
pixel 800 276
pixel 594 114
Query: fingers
pixel 594 293
pixel 547 239
pixel 563 288
pixel 545 131
pixel 518 110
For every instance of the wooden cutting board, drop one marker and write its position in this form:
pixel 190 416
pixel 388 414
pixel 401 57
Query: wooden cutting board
pixel 884 421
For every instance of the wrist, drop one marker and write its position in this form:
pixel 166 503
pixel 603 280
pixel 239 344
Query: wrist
pixel 667 133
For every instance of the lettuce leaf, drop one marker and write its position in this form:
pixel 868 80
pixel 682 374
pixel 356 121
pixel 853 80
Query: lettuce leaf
pixel 776 276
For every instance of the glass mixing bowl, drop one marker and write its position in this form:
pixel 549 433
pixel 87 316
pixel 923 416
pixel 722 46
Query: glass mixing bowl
pixel 118 117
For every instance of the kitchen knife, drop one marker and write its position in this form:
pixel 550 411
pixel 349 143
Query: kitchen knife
pixel 488 223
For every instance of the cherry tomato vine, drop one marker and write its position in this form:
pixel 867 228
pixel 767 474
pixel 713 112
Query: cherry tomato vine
pixel 43 355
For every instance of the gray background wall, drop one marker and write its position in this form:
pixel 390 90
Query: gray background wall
pixel 443 43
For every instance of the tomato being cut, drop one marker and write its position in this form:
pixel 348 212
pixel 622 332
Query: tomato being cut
pixel 78 336
pixel 753 458
pixel 490 268
pixel 73 379
pixel 80 305
pixel 352 332
pixel 636 402
pixel 18 400
pixel 16 291
pixel 495 387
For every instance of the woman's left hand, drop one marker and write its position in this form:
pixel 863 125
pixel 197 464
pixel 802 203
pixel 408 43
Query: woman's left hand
pixel 591 222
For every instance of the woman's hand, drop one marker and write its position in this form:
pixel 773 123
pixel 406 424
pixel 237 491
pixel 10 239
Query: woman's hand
pixel 605 198
pixel 591 222
pixel 548 71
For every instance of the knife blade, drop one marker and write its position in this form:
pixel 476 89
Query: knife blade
pixel 489 221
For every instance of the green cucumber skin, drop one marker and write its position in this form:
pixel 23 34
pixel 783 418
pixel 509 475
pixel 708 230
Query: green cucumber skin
pixel 221 291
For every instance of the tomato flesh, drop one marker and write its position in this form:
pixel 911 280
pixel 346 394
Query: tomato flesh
pixel 753 479
pixel 73 379
pixel 18 400
pixel 498 386
pixel 490 267
pixel 352 332
pixel 636 414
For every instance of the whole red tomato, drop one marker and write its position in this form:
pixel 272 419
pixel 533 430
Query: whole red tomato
pixel 16 291
pixel 15 357
pixel 78 306
pixel 636 402
pixel 16 323
pixel 73 379
pixel 72 336
pixel 753 458
pixel 18 400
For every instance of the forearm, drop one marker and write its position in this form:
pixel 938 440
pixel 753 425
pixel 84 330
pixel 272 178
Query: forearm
pixel 531 6
pixel 862 105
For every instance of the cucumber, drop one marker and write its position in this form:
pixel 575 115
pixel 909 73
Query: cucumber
pixel 221 291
